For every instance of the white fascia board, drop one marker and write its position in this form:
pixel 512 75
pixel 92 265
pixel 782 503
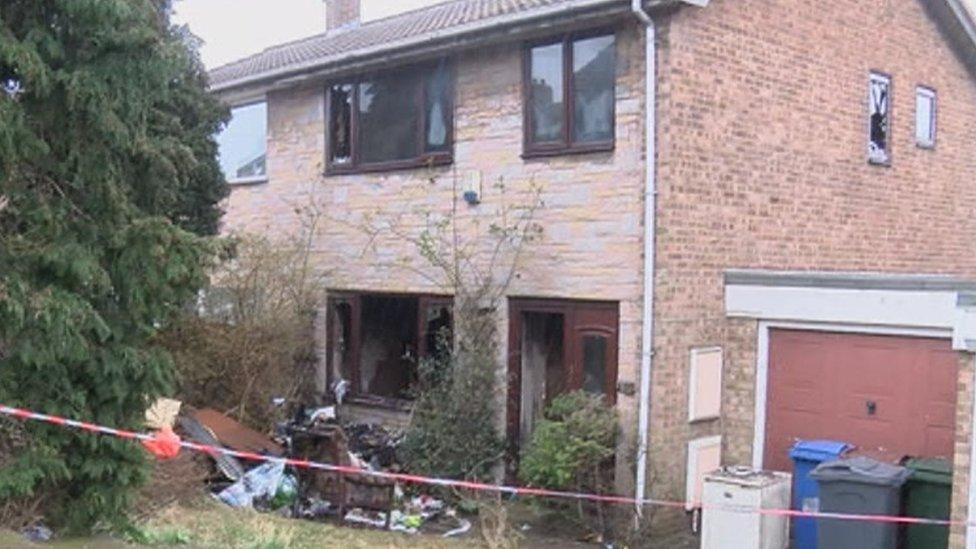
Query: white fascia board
pixel 923 309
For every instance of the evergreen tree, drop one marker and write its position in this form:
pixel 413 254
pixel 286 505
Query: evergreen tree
pixel 108 186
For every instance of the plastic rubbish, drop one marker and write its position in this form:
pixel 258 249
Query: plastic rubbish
pixel 262 481
pixel 37 533
pixel 165 444
pixel 464 526
pixel 326 413
pixel 357 516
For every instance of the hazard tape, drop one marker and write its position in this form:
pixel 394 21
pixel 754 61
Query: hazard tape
pixel 476 486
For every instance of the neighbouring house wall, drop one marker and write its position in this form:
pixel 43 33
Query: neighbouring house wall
pixel 591 248
pixel 762 165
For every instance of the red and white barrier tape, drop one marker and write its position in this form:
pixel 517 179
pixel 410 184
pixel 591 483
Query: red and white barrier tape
pixel 468 485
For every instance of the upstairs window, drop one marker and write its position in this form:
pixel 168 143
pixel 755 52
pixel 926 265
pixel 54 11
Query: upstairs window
pixel 879 119
pixel 243 144
pixel 569 94
pixel 925 117
pixel 398 119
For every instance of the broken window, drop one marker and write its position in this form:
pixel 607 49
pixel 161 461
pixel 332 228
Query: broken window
pixel 394 119
pixel 925 117
pixel 879 119
pixel 375 341
pixel 340 120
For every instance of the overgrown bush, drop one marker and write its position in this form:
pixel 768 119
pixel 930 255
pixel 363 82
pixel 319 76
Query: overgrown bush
pixel 452 431
pixel 571 445
pixel 251 338
pixel 572 448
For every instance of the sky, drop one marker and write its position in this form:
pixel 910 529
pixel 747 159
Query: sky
pixel 233 29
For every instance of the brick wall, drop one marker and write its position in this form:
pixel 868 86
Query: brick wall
pixel 762 164
pixel 591 247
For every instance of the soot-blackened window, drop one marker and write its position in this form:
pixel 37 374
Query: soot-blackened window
pixel 396 119
pixel 879 119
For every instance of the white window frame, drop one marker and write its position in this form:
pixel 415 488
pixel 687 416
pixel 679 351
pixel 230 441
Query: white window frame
pixel 927 93
pixel 255 179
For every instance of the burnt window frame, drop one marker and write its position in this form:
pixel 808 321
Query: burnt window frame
pixel 423 158
pixel 354 300
pixel 933 95
pixel 533 149
pixel 889 135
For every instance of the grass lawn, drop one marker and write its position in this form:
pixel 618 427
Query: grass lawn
pixel 209 524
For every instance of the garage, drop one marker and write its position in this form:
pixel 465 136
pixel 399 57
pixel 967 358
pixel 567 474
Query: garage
pixel 891 394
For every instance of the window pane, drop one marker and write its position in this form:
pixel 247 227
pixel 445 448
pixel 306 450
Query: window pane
pixel 438 109
pixel 593 89
pixel 879 102
pixel 388 118
pixel 594 364
pixel 925 117
pixel 243 143
pixel 340 127
pixel 546 92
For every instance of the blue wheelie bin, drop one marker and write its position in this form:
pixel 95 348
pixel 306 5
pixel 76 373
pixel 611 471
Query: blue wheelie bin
pixel 806 455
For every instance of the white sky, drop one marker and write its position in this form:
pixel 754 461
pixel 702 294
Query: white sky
pixel 232 29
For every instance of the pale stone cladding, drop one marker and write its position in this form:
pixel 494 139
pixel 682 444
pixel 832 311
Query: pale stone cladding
pixel 762 165
pixel 592 215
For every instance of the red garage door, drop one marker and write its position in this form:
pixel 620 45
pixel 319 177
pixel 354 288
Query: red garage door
pixel 893 394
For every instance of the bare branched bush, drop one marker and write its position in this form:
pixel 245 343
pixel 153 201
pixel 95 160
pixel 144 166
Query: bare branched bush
pixel 251 337
pixel 473 254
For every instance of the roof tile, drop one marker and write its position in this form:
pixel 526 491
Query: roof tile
pixel 322 48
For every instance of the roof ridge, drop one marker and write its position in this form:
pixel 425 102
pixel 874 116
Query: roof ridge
pixel 336 32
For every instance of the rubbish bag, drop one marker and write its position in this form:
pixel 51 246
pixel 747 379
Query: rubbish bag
pixel 261 482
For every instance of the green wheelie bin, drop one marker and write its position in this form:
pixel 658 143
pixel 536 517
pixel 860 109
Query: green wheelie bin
pixel 927 493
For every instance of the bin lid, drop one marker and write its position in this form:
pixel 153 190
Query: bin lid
pixel 934 470
pixel 862 470
pixel 819 450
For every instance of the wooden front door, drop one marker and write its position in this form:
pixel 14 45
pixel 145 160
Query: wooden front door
pixel 557 346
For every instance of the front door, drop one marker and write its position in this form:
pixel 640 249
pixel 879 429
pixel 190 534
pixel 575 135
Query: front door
pixel 557 346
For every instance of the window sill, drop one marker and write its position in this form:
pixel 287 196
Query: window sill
pixel 398 165
pixel 246 181
pixel 566 151
pixel 925 146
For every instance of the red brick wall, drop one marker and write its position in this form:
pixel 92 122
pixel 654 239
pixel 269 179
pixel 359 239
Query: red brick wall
pixel 762 164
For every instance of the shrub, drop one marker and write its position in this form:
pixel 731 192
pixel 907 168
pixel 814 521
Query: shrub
pixel 572 448
pixel 251 339
pixel 452 432
pixel 571 445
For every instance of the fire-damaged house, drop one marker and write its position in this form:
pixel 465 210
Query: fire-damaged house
pixel 758 220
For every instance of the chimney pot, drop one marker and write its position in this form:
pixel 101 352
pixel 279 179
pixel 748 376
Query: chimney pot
pixel 341 14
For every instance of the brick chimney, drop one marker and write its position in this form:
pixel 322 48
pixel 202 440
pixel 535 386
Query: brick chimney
pixel 341 13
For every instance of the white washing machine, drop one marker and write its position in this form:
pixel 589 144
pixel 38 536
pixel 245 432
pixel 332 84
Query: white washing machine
pixel 730 498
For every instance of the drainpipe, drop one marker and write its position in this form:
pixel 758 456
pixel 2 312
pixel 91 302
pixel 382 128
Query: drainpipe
pixel 650 221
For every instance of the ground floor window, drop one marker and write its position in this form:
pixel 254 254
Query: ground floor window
pixel 375 341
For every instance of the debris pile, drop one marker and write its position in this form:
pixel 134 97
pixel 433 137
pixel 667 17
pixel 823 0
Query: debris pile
pixel 314 434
